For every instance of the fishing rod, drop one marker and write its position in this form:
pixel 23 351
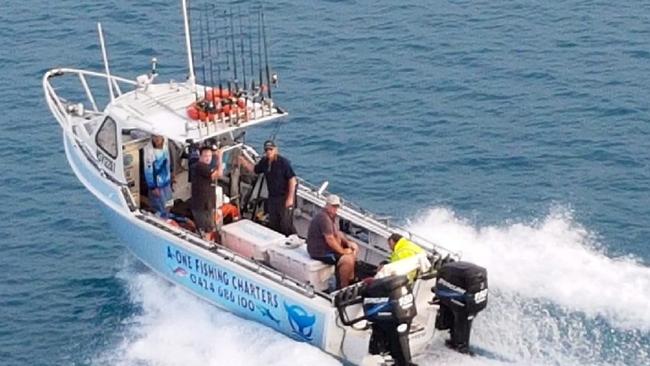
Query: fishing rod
pixel 202 48
pixel 232 43
pixel 207 28
pixel 250 49
pixel 266 56
pixel 229 80
pixel 219 70
pixel 216 48
pixel 259 48
pixel 225 13
pixel 241 44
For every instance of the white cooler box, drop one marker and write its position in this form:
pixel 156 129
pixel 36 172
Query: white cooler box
pixel 297 264
pixel 250 239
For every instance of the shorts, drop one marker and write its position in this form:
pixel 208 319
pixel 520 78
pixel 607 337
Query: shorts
pixel 204 220
pixel 331 258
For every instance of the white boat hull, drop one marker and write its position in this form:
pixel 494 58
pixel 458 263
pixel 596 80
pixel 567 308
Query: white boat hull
pixel 216 278
pixel 206 274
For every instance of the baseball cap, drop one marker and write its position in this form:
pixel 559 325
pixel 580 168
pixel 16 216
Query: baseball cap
pixel 333 200
pixel 269 144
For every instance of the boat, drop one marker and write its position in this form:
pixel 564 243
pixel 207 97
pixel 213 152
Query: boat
pixel 390 317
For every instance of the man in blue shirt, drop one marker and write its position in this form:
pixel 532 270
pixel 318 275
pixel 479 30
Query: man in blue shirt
pixel 158 175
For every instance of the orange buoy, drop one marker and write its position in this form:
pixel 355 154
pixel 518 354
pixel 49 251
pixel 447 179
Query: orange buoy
pixel 192 111
pixel 220 93
pixel 226 109
pixel 203 115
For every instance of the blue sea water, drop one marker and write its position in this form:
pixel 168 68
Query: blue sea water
pixel 515 132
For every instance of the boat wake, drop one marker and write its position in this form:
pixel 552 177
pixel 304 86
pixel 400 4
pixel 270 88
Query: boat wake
pixel 173 327
pixel 556 299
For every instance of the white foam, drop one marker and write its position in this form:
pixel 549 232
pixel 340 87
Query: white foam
pixel 556 299
pixel 553 259
pixel 176 328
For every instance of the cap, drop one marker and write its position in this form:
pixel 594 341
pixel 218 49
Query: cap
pixel 269 144
pixel 333 200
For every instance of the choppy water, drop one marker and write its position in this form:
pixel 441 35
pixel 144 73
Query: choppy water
pixel 517 133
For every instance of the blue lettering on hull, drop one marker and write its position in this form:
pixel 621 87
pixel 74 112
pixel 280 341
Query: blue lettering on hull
pixel 242 296
pixel 229 289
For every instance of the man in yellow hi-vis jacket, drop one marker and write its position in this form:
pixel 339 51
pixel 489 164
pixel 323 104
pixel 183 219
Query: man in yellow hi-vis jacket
pixel 402 248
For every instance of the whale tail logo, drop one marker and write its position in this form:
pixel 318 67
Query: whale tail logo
pixel 302 323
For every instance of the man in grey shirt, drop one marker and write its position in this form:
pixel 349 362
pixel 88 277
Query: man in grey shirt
pixel 327 244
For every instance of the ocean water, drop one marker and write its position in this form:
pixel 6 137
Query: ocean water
pixel 517 133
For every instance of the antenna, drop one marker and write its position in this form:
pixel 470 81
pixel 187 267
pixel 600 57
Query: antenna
pixel 105 57
pixel 190 62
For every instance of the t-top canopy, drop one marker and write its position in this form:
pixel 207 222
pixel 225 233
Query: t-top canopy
pixel 176 111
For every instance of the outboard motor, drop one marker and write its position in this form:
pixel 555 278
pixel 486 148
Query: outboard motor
pixel 389 306
pixel 461 290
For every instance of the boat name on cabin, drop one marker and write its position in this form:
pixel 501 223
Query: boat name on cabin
pixel 106 161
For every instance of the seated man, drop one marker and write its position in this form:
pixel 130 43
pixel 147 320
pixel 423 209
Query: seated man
pixel 204 199
pixel 158 175
pixel 327 244
pixel 402 248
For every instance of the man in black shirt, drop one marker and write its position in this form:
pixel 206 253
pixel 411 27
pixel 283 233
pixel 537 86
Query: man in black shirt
pixel 281 182
pixel 203 191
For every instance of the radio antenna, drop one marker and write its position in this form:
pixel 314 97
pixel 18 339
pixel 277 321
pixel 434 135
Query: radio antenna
pixel 109 80
pixel 188 44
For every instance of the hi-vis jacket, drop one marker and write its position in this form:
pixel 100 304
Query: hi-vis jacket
pixel 404 248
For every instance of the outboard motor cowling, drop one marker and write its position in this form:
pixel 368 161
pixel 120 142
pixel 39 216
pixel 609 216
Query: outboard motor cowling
pixel 461 290
pixel 388 305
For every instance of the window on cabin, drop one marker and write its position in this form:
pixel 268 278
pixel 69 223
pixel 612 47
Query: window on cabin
pixel 107 137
